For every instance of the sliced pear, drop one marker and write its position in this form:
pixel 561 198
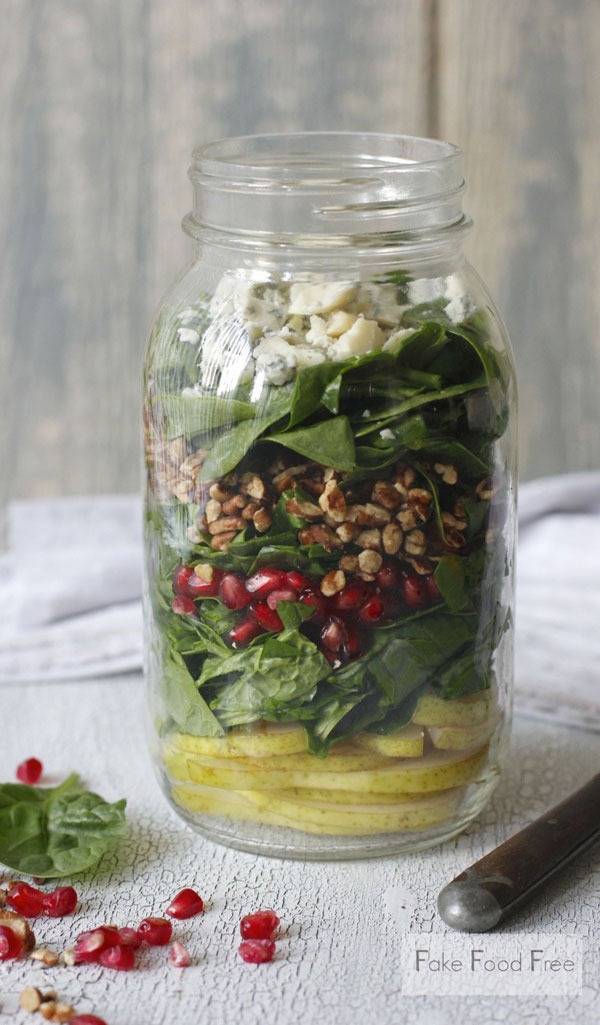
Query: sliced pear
pixel 440 770
pixel 343 796
pixel 461 738
pixel 405 743
pixel 233 805
pixel 432 710
pixel 261 740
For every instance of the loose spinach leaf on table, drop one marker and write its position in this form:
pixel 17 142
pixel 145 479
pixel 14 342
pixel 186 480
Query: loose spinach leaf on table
pixel 56 831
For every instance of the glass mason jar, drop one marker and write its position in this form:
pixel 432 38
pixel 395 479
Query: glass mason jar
pixel 330 503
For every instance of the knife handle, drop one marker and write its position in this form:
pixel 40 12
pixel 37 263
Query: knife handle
pixel 490 890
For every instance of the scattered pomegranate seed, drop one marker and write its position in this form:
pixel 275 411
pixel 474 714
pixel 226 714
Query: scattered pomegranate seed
pixel 62 901
pixel 87 1019
pixel 155 931
pixel 351 596
pixel 26 900
pixel 389 576
pixel 334 634
pixel 256 951
pixel 121 958
pixel 178 956
pixel 297 580
pixel 129 937
pixel 232 591
pixel 373 609
pixel 243 632
pixel 89 945
pixel 354 643
pixel 199 588
pixel 415 592
pixel 266 617
pixel 281 594
pixel 29 771
pixel 261 583
pixel 433 590
pixel 10 944
pixel 260 925
pixel 186 904
pixel 183 606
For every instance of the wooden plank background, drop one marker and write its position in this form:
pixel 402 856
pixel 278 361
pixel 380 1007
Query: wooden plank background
pixel 102 101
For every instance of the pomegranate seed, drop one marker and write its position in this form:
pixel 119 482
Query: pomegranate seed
pixel 389 576
pixel 121 958
pixel 186 904
pixel 178 956
pixel 261 583
pixel 87 1019
pixel 155 931
pixel 314 598
pixel 297 580
pixel 333 659
pixel 351 596
pixel 354 644
pixel 433 590
pixel 281 594
pixel 256 951
pixel 266 617
pixel 243 632
pixel 334 634
pixel 26 900
pixel 181 577
pixel 199 588
pixel 415 592
pixel 10 944
pixel 259 926
pixel 29 771
pixel 129 937
pixel 62 901
pixel 89 945
pixel 232 591
pixel 183 606
pixel 373 610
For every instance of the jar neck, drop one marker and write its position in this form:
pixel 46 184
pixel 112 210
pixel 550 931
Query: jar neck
pixel 325 191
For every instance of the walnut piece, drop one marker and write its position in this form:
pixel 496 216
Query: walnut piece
pixel 370 561
pixel 333 582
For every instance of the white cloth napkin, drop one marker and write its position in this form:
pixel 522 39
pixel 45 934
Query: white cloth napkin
pixel 70 594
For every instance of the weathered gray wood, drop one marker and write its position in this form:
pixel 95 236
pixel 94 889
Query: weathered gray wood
pixel 103 100
pixel 519 90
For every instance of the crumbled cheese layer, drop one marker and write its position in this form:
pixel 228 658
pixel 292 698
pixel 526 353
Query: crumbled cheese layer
pixel 271 330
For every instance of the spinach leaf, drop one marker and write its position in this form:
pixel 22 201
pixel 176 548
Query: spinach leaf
pixel 330 442
pixel 184 703
pixel 56 831
pixel 202 414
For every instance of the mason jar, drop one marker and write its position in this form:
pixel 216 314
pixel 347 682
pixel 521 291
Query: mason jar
pixel 330 508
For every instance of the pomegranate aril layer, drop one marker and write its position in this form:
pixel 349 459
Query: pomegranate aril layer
pixel 266 617
pixel 186 904
pixel 129 937
pixel 10 944
pixel 178 956
pixel 121 958
pixel 243 632
pixel 261 583
pixel 89 945
pixel 281 594
pixel 232 592
pixel 62 901
pixel 183 606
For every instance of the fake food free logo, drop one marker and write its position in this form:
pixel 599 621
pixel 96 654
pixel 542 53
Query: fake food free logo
pixel 508 965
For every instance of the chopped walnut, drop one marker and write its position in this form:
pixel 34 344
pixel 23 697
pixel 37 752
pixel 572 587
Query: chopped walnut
pixel 254 487
pixel 184 491
pixel 421 566
pixel 484 490
pixel 370 561
pixel 234 504
pixel 68 957
pixel 249 510
pixel 226 523
pixel 218 493
pixel 205 571
pixel 333 502
pixel 212 510
pixel 333 582
pixel 447 472
pixel 368 515
pixel 452 521
pixel 386 494
pixel 369 539
pixel 347 531
pixel 289 472
pixel 405 476
pixel 392 538
pixel 30 999
pixel 368 577
pixel 307 510
pixel 415 543
pixel 319 534
pixel 262 520
pixel 49 958
pixel 349 563
pixel 220 542
pixel 191 465
pixel 453 538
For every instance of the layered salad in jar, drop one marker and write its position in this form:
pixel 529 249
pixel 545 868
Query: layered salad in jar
pixel 326 551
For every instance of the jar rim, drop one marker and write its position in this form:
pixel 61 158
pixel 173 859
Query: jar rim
pixel 320 157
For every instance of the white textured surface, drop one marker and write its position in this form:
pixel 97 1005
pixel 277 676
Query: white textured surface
pixel 342 923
